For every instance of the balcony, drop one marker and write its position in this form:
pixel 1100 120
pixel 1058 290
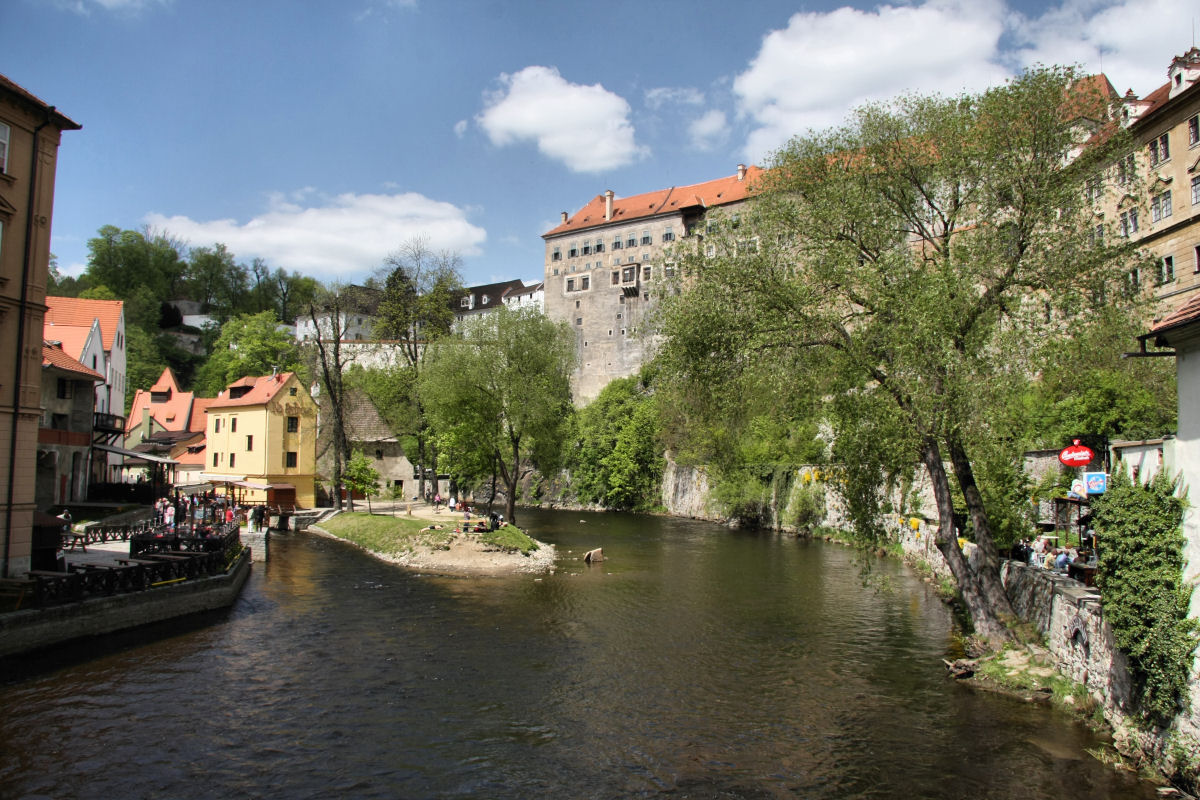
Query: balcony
pixel 108 423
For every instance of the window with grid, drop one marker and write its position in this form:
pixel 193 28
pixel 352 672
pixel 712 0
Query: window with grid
pixel 293 424
pixel 1160 150
pixel 289 459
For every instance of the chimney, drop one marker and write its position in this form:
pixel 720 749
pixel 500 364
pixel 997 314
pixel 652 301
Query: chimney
pixel 741 172
pixel 564 216
pixel 608 200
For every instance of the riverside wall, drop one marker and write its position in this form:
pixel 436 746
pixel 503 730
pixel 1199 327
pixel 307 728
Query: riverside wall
pixel 34 628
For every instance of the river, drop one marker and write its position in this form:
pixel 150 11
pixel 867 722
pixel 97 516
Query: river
pixel 694 662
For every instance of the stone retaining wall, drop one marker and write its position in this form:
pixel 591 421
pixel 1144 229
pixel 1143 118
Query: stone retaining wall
pixel 34 628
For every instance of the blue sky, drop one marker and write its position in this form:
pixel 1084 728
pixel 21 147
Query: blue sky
pixel 322 135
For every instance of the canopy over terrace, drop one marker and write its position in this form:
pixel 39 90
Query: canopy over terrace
pixel 237 486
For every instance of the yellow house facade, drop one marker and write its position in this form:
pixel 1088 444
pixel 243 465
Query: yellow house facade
pixel 262 439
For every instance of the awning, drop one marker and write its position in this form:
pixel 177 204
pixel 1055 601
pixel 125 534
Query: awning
pixel 252 485
pixel 217 477
pixel 110 448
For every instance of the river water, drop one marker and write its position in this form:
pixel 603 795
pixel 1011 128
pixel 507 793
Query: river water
pixel 694 662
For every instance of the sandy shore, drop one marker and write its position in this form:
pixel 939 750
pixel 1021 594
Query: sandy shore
pixel 467 555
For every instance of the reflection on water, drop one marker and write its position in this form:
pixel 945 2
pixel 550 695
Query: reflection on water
pixel 693 662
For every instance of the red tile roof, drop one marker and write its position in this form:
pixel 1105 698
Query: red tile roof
pixel 262 389
pixel 199 406
pixel 73 337
pixel 641 206
pixel 74 311
pixel 177 413
pixel 1187 314
pixel 53 356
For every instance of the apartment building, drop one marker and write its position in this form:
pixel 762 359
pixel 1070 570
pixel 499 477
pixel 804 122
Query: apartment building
pixel 606 265
pixel 30 132
pixel 1155 190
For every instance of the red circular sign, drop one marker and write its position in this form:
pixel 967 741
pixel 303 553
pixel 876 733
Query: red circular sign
pixel 1077 455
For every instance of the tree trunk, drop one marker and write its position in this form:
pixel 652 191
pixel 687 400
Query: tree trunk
pixel 989 560
pixel 510 482
pixel 982 613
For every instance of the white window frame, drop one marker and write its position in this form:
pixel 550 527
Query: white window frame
pixel 5 139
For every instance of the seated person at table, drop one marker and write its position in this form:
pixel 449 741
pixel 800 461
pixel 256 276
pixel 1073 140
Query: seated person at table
pixel 1062 559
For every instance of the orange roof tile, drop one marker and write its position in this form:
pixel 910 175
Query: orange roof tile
pixel 74 311
pixel 199 406
pixel 261 389
pixel 177 413
pixel 53 356
pixel 73 337
pixel 640 206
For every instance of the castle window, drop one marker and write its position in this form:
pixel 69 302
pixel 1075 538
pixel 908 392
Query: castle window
pixel 1160 206
pixel 1194 130
pixel 1160 150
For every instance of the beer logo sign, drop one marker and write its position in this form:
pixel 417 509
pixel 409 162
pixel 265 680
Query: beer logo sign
pixel 1077 455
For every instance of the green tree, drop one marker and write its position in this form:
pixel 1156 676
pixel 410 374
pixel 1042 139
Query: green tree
pixel 619 461
pixel 503 385
pixel 1140 529
pixel 330 311
pixel 217 282
pixel 914 259
pixel 361 477
pixel 247 345
pixel 416 309
pixel 140 267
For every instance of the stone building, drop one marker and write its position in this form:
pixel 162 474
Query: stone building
pixel 30 132
pixel 1154 191
pixel 606 265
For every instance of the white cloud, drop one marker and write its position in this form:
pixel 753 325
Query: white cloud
pixel 709 130
pixel 1132 41
pixel 687 96
pixel 460 128
pixel 809 75
pixel 338 238
pixel 585 127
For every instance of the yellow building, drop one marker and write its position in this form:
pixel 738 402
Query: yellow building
pixel 262 440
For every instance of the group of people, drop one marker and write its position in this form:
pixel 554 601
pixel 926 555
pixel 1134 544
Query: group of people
pixel 197 510
pixel 1044 553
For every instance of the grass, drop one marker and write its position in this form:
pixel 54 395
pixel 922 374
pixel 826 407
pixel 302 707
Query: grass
pixel 510 538
pixel 395 535
pixel 386 535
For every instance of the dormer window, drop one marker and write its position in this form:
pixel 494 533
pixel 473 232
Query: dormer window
pixel 465 302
